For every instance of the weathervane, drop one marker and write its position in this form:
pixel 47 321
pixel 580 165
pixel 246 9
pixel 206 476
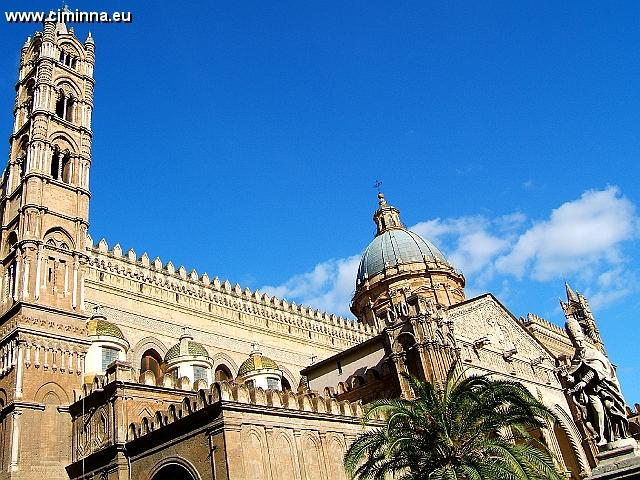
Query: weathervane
pixel 377 185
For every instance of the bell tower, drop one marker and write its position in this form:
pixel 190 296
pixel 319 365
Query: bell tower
pixel 44 209
pixel 45 191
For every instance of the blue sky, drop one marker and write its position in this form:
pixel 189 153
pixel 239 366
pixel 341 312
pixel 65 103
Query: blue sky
pixel 243 139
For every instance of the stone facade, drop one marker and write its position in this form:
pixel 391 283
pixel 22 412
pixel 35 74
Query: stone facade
pixel 161 394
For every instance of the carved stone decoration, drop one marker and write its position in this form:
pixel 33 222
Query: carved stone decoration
pixel 594 388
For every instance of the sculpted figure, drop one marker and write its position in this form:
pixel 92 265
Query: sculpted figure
pixel 594 388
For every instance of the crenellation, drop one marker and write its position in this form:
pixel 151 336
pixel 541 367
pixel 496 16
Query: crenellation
pixel 249 300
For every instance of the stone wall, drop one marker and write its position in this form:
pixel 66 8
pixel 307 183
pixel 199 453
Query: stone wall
pixel 151 299
pixel 236 431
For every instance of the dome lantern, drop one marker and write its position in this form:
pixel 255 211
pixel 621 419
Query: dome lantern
pixel 398 263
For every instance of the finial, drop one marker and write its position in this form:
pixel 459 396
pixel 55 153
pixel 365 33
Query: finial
pixel 97 312
pixel 185 333
pixel 254 349
pixel 381 200
pixel 89 39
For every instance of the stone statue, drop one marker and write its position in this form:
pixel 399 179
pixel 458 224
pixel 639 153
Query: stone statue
pixel 594 388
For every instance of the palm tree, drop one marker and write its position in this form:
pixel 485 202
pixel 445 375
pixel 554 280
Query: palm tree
pixel 474 428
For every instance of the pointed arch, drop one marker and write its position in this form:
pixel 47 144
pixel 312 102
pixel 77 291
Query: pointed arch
pixel 224 359
pixel 288 377
pixel 569 428
pixel 50 392
pixel 147 343
pixel 68 85
pixel 58 237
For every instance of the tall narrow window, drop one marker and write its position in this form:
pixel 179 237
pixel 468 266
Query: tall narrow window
pixel 60 102
pixel 55 165
pixel 69 109
pixel 30 89
pixel 66 168
pixel 109 355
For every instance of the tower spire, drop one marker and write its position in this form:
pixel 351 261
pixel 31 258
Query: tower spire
pixel 571 295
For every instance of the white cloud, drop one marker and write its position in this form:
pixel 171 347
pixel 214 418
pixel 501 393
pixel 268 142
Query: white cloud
pixel 329 286
pixel 610 286
pixel 581 238
pixel 578 234
pixel 467 242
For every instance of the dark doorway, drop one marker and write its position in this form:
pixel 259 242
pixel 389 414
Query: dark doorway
pixel 173 471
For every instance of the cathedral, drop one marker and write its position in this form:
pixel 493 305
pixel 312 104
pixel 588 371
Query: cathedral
pixel 114 365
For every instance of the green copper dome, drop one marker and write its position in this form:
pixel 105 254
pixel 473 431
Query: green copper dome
pixel 195 350
pixel 101 328
pixel 396 247
pixel 256 362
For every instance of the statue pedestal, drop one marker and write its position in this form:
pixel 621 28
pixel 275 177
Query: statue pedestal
pixel 618 460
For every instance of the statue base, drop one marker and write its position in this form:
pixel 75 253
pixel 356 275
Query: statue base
pixel 619 460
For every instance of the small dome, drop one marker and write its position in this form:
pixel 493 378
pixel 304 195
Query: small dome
pixel 102 328
pixel 195 350
pixel 396 247
pixel 256 362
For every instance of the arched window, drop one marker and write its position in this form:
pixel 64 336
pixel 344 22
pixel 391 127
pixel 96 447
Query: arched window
pixel 285 384
pixel 65 106
pixel 222 373
pixel 61 166
pixel 151 361
pixel 68 60
pixel 412 358
pixel 12 240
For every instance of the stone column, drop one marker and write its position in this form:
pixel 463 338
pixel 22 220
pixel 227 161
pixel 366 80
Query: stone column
pixel 398 361
pixel 298 446
pixel 20 369
pixel 15 441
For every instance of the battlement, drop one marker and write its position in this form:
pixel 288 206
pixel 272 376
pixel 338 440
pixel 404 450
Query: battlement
pixel 533 319
pixel 202 395
pixel 211 296
pixel 241 394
